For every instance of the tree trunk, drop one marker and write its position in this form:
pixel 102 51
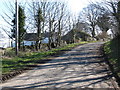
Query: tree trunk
pixel 74 37
pixel 23 46
pixel 38 42
pixel 36 46
pixel 50 27
pixel 19 43
pixel 93 31
pixel 59 33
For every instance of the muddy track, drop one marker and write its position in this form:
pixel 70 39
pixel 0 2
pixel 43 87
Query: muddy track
pixel 81 67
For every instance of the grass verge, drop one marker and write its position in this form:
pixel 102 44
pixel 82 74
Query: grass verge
pixel 31 58
pixel 112 51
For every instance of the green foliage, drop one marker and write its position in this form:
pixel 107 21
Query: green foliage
pixel 21 24
pixel 9 52
pixel 75 34
pixel 112 49
pixel 39 16
pixel 107 48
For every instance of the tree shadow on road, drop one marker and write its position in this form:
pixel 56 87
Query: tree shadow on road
pixel 70 82
pixel 86 58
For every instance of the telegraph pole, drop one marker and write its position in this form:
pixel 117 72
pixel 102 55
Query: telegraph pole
pixel 16 27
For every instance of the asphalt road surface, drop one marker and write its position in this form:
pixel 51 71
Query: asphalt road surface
pixel 82 67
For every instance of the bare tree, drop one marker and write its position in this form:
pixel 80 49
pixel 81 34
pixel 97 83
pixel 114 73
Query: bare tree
pixel 113 6
pixel 55 16
pixel 61 15
pixel 38 20
pixel 90 16
pixel 38 11
pixel 103 22
pixel 8 17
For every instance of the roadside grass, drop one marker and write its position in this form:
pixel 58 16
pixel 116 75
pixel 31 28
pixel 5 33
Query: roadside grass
pixel 30 58
pixel 112 50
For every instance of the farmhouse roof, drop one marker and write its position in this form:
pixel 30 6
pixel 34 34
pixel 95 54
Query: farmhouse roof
pixel 34 37
pixel 31 37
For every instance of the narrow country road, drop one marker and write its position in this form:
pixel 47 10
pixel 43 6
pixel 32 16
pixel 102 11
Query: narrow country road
pixel 82 67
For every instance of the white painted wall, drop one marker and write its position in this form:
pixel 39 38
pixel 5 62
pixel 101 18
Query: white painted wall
pixel 46 40
pixel 5 42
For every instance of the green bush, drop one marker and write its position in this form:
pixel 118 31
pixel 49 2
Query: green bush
pixel 112 50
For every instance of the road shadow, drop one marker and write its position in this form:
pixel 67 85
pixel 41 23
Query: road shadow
pixel 79 58
pixel 52 82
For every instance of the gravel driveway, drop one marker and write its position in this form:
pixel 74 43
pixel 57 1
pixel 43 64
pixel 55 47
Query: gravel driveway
pixel 82 67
